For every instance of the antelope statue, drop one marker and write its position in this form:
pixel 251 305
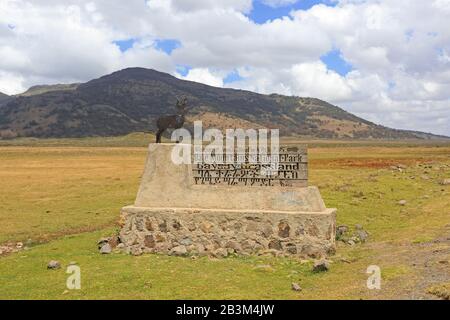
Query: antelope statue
pixel 175 121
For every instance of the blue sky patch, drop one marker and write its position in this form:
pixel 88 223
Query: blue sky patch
pixel 262 13
pixel 124 45
pixel 334 61
pixel 167 45
pixel 232 77
pixel 183 69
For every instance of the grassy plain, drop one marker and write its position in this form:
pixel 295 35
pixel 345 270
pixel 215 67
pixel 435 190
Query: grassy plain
pixel 60 196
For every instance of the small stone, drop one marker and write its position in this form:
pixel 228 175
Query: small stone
pixel 275 244
pixel 312 251
pixel 425 177
pixel 178 251
pixel 402 202
pixel 149 225
pixel 19 245
pixel 445 182
pixel 267 231
pixel 105 249
pixel 186 241
pixel 163 226
pixel 53 265
pixel 291 248
pixel 220 253
pixel 176 225
pixel 200 248
pixel 206 227
pixel 269 252
pixel 321 266
pixel 160 238
pixel 401 166
pixel 296 287
pixel 233 245
pixel 135 251
pixel 351 242
pixel 102 242
pixel 362 235
pixel 283 229
pixel 340 231
pixel 120 246
pixel 149 241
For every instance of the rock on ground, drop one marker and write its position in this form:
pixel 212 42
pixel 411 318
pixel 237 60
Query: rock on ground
pixel 296 286
pixel 105 249
pixel 178 251
pixel 340 231
pixel 220 253
pixel 321 266
pixel 53 265
pixel 102 241
pixel 362 235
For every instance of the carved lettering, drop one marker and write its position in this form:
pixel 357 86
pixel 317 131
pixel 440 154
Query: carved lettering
pixel 291 170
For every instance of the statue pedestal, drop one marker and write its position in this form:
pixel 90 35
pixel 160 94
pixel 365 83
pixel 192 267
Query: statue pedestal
pixel 175 213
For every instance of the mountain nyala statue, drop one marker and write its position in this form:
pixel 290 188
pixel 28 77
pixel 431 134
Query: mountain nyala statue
pixel 175 121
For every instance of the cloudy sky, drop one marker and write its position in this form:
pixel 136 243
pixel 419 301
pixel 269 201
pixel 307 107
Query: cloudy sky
pixel 387 61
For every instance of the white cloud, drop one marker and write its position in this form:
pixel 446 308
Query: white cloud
pixel 205 76
pixel 278 3
pixel 311 79
pixel 11 83
pixel 399 50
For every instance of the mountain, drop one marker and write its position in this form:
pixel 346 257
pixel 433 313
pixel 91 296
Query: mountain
pixel 132 99
pixel 3 97
pixel 35 90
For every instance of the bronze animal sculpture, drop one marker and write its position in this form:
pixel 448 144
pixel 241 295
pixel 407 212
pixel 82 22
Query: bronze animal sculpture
pixel 175 121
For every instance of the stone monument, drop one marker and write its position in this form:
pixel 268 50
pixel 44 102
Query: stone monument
pixel 221 209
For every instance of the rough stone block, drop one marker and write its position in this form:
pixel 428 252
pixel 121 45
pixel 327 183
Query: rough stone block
pixel 175 215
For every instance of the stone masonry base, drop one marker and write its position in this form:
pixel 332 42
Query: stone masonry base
pixel 179 231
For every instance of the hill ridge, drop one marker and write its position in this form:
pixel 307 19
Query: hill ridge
pixel 131 99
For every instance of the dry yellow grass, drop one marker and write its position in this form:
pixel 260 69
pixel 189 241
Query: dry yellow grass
pixel 48 193
pixel 52 191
